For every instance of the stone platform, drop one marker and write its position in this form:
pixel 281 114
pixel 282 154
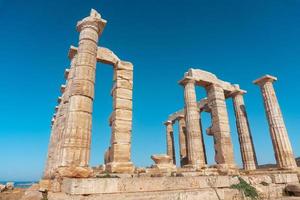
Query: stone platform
pixel 270 185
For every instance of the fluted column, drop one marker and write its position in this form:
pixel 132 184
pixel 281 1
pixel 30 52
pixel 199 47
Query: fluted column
pixel 182 141
pixel 50 156
pixel 220 129
pixel 170 141
pixel 196 156
pixel 281 143
pixel 244 133
pixel 76 148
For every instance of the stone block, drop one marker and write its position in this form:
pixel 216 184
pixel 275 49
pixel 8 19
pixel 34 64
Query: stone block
pixel 82 87
pixel 120 167
pixel 120 152
pixel 124 65
pixel 119 103
pixel 122 83
pixel 122 93
pixel 84 73
pixel 81 103
pixel 120 114
pixel 122 125
pixel 284 178
pixel 123 137
pixel 123 74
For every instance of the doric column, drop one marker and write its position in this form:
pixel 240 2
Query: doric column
pixel 245 137
pixel 281 143
pixel 121 120
pixel 76 147
pixel 170 141
pixel 196 156
pixel 224 156
pixel 182 141
pixel 49 162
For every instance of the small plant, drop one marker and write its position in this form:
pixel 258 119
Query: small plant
pixel 45 195
pixel 246 188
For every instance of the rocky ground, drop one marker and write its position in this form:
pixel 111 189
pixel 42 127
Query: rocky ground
pixel 15 194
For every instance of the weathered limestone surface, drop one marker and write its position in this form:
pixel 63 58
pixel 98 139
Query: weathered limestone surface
pixel 121 119
pixel 170 141
pixel 220 126
pixel 150 184
pixel 76 147
pixel 182 141
pixel 245 138
pixel 196 156
pixel 203 194
pixel 281 143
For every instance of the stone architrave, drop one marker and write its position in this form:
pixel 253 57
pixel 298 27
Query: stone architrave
pixel 283 150
pixel 182 141
pixel 76 146
pixel 121 120
pixel 224 156
pixel 196 156
pixel 170 141
pixel 244 133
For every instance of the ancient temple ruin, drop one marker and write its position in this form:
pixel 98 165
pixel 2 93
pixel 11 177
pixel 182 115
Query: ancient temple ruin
pixel 191 144
pixel 68 175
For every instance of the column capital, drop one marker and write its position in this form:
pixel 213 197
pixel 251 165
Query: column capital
pixel 169 122
pixel 186 80
pixel 59 99
pixel 180 117
pixel 62 88
pixel 265 79
pixel 237 92
pixel 67 71
pixel 93 21
pixel 72 52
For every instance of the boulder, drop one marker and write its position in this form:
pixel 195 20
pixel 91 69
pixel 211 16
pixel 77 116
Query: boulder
pixel 10 185
pixel 2 187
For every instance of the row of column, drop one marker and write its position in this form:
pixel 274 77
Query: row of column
pixel 71 131
pixel 193 140
pixel 71 139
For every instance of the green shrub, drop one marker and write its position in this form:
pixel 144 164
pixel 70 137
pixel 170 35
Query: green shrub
pixel 246 188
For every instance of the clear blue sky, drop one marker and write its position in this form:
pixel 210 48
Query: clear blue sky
pixel 239 41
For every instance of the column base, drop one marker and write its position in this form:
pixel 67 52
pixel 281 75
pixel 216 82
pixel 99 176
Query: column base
pixel 75 172
pixel 120 167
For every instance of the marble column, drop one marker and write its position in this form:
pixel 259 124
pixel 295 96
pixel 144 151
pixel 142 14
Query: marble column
pixel 50 156
pixel 170 141
pixel 220 129
pixel 121 120
pixel 244 133
pixel 182 141
pixel 283 150
pixel 76 147
pixel 196 156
